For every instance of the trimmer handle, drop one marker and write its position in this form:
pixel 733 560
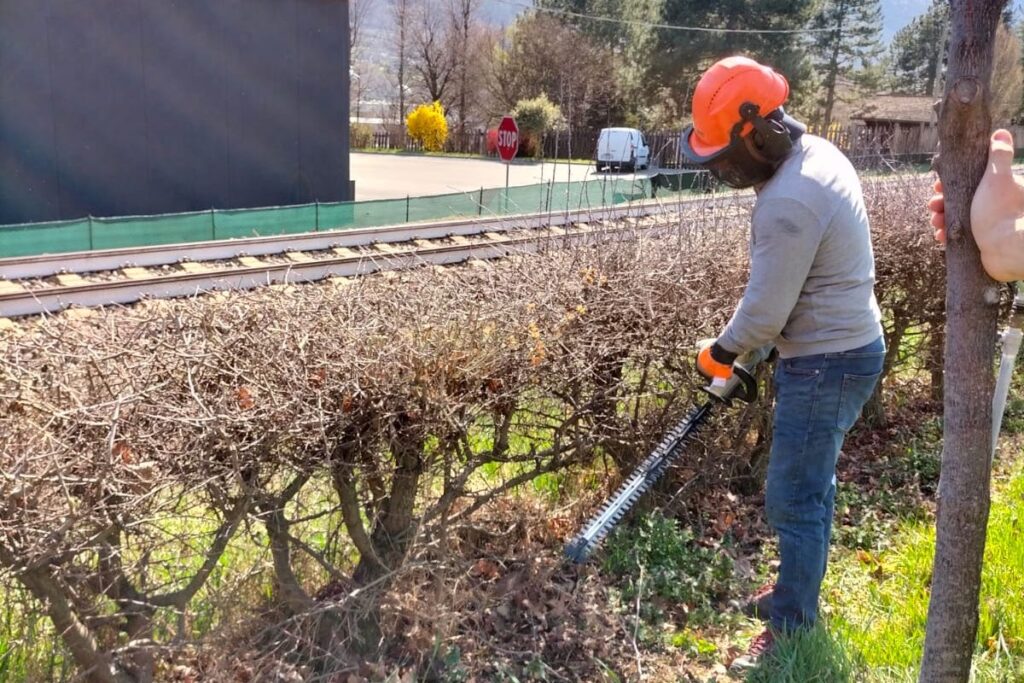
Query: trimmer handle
pixel 741 385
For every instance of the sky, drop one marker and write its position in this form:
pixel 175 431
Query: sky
pixel 896 13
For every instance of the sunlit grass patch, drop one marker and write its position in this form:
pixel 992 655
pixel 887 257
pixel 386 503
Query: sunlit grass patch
pixel 879 604
pixel 814 656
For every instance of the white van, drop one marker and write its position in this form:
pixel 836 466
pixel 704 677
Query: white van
pixel 622 149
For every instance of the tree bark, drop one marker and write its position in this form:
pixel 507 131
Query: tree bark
pixel 971 299
pixel 396 524
pixel 94 663
pixel 938 379
pixel 400 14
pixel 833 70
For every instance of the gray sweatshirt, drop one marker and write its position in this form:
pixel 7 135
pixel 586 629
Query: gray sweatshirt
pixel 812 270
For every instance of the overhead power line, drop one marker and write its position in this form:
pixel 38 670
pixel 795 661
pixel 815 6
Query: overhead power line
pixel 651 24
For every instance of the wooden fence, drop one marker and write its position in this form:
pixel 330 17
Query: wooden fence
pixel 580 144
pixel 867 145
pixel 470 142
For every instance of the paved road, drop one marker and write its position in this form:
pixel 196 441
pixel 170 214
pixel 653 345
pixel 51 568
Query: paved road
pixel 390 176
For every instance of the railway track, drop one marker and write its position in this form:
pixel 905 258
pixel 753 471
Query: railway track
pixel 35 285
pixel 47 284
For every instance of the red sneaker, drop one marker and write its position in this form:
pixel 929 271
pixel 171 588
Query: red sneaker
pixel 759 605
pixel 760 647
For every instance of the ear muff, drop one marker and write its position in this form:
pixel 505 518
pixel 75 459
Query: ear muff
pixel 770 139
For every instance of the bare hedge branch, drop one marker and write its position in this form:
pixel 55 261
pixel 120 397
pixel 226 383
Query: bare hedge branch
pixel 348 437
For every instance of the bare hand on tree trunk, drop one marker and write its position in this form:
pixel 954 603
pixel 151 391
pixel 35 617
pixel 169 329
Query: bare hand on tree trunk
pixel 997 213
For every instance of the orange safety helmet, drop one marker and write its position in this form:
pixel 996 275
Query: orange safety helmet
pixel 721 92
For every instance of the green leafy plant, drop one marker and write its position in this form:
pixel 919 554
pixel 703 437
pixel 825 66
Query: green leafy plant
pixel 655 558
pixel 535 116
pixel 693 644
pixel 446 663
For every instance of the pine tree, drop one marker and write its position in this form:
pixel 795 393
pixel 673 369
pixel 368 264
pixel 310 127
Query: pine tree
pixel 606 33
pixel 918 52
pixel 627 38
pixel 682 56
pixel 654 61
pixel 640 42
pixel 852 42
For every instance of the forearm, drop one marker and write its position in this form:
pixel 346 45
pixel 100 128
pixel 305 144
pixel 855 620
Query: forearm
pixel 750 330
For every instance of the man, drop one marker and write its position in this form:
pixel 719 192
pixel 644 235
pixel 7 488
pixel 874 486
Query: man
pixel 811 294
pixel 997 213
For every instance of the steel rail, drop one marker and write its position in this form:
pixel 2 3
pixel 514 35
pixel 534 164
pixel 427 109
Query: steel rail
pixel 18 302
pixel 26 267
pixel 53 299
pixel 79 262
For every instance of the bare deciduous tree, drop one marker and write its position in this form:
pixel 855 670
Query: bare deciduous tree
pixel 543 55
pixel 463 32
pixel 359 12
pixel 435 53
pixel 971 304
pixel 402 17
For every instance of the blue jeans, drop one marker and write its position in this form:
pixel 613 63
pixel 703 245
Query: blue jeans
pixel 817 400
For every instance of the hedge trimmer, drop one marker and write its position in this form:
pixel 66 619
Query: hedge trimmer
pixel 741 386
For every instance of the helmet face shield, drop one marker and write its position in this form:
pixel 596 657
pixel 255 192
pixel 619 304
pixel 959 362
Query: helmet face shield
pixel 757 146
pixel 738 168
pixel 734 165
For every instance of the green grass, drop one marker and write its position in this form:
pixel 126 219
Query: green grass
pixel 814 656
pixel 29 649
pixel 875 607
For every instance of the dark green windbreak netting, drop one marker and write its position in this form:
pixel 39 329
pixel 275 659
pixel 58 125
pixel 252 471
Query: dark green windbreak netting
pixel 85 234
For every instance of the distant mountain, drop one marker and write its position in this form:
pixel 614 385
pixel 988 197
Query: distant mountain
pixel 896 14
pixel 499 13
pixel 493 12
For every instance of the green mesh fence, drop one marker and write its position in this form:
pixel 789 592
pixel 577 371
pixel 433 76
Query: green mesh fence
pixel 86 234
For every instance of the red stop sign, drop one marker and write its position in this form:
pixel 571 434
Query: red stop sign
pixel 508 139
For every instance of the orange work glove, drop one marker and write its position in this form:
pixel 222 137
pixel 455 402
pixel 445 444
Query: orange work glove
pixel 714 363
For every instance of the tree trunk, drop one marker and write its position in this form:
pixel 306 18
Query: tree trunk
pixel 94 663
pixel 935 346
pixel 392 535
pixel 970 342
pixel 935 78
pixel 396 524
pixel 400 14
pixel 873 415
pixel 467 9
pixel 833 70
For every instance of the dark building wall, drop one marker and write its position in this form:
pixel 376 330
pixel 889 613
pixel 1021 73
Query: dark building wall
pixel 120 107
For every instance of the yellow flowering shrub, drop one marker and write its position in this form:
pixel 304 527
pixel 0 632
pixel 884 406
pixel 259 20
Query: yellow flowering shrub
pixel 427 125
